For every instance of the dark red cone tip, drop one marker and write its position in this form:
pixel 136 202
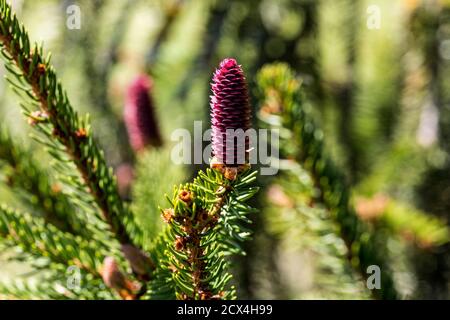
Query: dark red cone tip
pixel 139 114
pixel 230 109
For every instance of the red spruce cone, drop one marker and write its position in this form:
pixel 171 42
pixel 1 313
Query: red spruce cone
pixel 230 109
pixel 139 115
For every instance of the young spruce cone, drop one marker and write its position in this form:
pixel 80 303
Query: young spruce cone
pixel 139 115
pixel 230 109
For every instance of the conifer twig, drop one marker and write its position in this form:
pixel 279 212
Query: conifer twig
pixel 37 188
pixel 206 221
pixel 42 239
pixel 282 103
pixel 37 80
pixel 205 225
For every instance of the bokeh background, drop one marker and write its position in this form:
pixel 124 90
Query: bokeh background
pixel 381 95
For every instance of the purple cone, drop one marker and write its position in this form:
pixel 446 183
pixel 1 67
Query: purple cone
pixel 230 109
pixel 139 115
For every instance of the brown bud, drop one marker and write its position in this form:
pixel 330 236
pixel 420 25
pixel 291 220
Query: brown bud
pixel 139 261
pixel 216 164
pixel 41 68
pixel 186 228
pixel 203 215
pixel 167 215
pixel 204 296
pixel 230 173
pixel 180 243
pixel 185 196
pixel 115 279
pixel 111 274
pixel 81 133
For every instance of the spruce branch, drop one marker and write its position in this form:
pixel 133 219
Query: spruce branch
pixel 38 238
pixel 54 285
pixel 208 217
pixel 25 290
pixel 206 223
pixel 68 129
pixel 97 70
pixel 153 169
pixel 300 228
pixel 37 188
pixel 189 228
pixel 398 218
pixel 161 287
pixel 282 106
pixel 36 79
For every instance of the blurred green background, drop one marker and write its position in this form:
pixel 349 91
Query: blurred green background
pixel 380 92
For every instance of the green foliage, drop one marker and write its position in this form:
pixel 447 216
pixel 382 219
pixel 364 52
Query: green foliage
pixel 201 270
pixel 282 106
pixel 206 224
pixel 300 227
pixel 67 135
pixel 153 170
pixel 23 174
pixel 53 285
pixel 20 289
pixel 413 224
pixel 363 148
pixel 41 239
